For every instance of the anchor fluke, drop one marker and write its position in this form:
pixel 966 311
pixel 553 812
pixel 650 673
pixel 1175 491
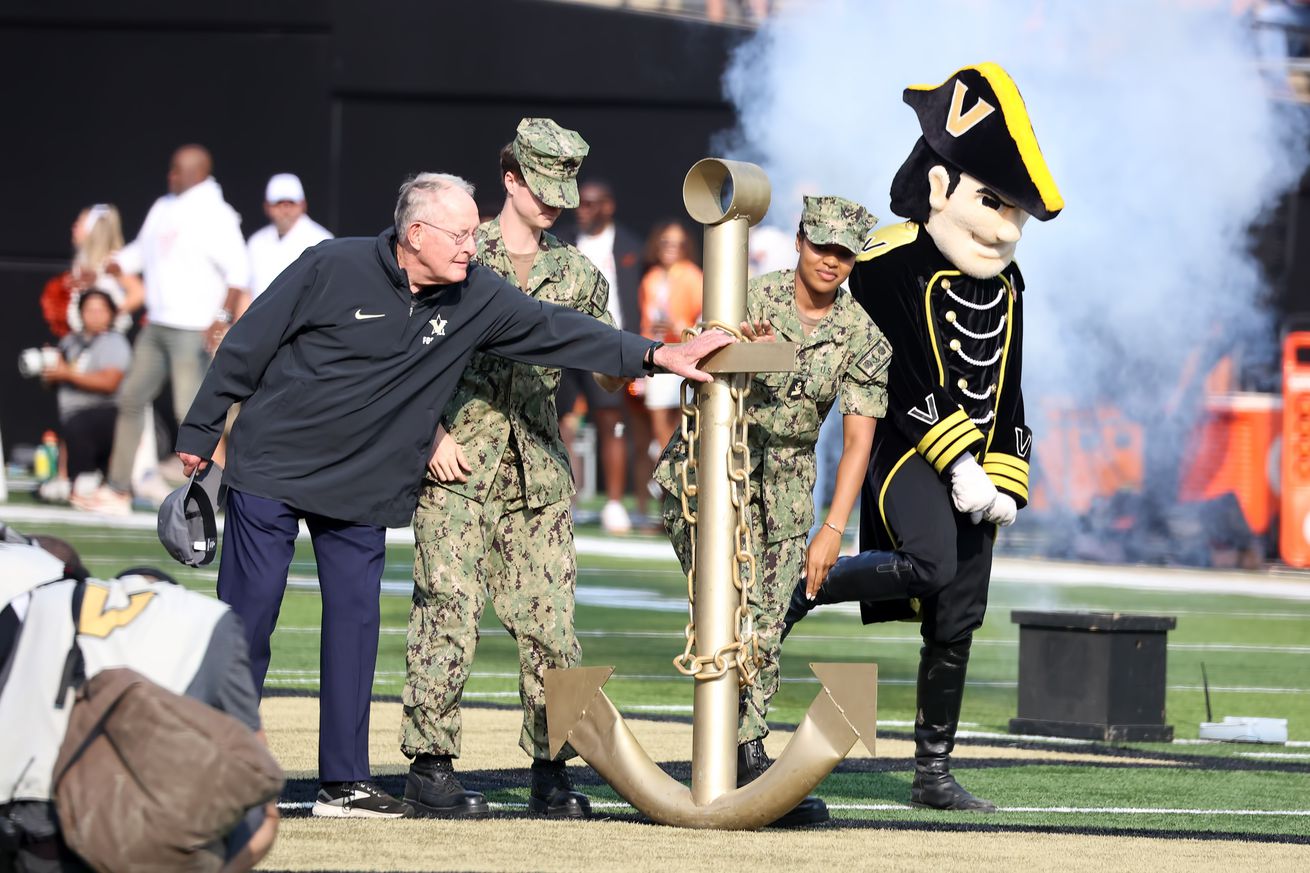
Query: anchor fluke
pixel 568 694
pixel 843 713
pixel 850 687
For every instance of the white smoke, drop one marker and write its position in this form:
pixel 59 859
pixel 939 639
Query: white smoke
pixel 1154 119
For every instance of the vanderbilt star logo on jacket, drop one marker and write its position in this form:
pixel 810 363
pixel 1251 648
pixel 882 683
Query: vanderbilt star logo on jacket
pixel 438 329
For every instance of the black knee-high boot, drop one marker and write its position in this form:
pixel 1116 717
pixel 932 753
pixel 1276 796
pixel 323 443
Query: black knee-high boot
pixel 940 694
pixel 871 575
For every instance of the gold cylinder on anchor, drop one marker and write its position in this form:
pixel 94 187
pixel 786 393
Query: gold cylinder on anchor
pixel 727 197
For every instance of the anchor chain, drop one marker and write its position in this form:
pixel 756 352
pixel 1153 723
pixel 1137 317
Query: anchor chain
pixel 743 653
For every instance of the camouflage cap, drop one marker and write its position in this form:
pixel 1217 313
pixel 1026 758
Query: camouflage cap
pixel 836 220
pixel 550 157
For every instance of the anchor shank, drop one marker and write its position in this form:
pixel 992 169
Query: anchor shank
pixel 714 733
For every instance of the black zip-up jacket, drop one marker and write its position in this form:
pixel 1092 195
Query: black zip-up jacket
pixel 342 374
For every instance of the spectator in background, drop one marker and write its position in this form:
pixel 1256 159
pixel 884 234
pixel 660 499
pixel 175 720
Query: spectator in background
pixel 90 369
pixel 770 248
pixel 193 256
pixel 670 298
pixel 741 12
pixel 273 247
pixel 617 253
pixel 97 232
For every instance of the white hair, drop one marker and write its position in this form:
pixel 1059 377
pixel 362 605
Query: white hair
pixel 419 189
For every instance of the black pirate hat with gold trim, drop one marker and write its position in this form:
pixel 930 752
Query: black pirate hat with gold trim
pixel 976 120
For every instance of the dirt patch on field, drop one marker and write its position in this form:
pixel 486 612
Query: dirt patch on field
pixel 568 847
pixel 491 738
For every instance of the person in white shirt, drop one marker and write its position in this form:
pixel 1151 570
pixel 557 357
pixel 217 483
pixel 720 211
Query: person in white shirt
pixel 273 247
pixel 193 256
pixel 621 415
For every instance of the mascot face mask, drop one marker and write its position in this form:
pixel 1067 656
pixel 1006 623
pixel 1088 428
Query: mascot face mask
pixel 974 227
pixel 976 130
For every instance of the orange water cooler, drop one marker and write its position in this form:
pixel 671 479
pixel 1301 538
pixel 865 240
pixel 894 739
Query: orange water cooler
pixel 1235 450
pixel 1087 454
pixel 1294 530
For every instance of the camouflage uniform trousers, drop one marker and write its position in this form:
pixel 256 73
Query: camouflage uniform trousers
pixel 524 558
pixel 778 566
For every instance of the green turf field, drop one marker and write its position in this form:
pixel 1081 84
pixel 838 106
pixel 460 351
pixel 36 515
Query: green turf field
pixel 631 613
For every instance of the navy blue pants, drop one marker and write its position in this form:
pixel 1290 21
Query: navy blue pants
pixel 259 540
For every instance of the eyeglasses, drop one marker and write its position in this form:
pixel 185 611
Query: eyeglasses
pixel 457 238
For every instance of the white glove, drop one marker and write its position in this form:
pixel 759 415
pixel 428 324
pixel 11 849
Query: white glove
pixel 971 490
pixel 1003 510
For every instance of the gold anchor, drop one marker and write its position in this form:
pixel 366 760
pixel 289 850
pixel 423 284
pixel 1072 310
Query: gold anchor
pixel 727 197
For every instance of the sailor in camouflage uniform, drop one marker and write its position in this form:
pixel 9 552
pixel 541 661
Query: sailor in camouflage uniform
pixel 494 516
pixel 951 464
pixel 842 358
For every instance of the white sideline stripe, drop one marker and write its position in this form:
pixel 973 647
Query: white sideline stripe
pixel 1066 573
pixel 1002 606
pixel 1290 744
pixel 1286 585
pixel 901 807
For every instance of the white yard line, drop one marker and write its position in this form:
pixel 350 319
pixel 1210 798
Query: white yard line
pixel 901 807
pixel 647 677
pixel 1289 586
pixel 861 640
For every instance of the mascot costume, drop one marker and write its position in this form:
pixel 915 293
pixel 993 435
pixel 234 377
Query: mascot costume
pixel 950 462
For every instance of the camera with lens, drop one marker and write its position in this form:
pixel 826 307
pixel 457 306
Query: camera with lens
pixel 32 362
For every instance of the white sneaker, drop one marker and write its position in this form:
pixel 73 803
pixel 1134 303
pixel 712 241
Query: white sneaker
pixel 55 490
pixel 105 501
pixel 86 483
pixel 614 518
pixel 152 488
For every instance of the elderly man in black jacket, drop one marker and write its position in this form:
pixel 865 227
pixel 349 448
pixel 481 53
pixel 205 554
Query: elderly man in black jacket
pixel 343 367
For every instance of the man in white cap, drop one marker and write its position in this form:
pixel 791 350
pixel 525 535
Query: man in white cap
pixel 273 247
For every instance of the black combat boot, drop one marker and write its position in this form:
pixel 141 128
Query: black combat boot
pixel 871 575
pixel 432 789
pixel 552 793
pixel 941 691
pixel 752 761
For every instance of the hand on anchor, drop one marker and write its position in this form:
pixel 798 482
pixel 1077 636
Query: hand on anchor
pixel 759 331
pixel 683 358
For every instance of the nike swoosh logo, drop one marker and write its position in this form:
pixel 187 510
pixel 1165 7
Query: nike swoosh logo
pixel 361 316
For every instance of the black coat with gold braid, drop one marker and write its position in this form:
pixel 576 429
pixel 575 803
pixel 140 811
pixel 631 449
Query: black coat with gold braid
pixel 955 378
pixel 950 461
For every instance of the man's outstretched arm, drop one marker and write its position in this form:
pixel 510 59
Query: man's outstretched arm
pixel 534 332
